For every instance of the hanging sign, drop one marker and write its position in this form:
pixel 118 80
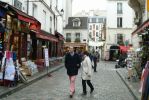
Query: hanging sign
pixel 46 57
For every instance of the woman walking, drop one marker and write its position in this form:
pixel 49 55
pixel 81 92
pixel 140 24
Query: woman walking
pixel 86 73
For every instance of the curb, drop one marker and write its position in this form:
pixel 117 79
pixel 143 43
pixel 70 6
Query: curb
pixel 130 88
pixel 23 85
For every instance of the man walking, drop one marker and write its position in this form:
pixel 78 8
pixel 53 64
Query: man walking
pixel 72 64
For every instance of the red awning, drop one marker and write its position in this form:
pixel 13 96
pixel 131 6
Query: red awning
pixel 124 49
pixel 59 36
pixel 141 27
pixel 46 36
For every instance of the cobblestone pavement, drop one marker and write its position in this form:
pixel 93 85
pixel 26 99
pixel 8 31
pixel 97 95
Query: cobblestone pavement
pixel 108 86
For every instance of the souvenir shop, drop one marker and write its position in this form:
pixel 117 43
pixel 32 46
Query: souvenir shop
pixel 143 34
pixel 21 44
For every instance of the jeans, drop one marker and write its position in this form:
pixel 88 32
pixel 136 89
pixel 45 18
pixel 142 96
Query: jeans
pixel 84 85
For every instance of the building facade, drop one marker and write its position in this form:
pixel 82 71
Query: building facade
pixel 141 9
pixel 119 25
pixel 76 33
pixel 95 26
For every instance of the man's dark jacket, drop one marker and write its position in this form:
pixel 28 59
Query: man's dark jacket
pixel 71 63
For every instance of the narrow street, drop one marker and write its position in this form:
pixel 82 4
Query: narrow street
pixel 108 86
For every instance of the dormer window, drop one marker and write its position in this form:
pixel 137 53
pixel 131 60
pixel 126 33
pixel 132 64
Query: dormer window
pixel 76 22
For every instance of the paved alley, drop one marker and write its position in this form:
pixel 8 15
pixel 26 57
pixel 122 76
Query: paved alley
pixel 108 86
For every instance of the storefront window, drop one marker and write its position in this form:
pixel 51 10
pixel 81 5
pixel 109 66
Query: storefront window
pixel 9 20
pixel 23 45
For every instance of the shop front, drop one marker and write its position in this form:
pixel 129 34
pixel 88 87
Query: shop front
pixel 143 54
pixel 14 34
pixel 60 44
pixel 76 46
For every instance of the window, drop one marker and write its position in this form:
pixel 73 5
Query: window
pixel 119 22
pixel 93 33
pixel 90 27
pixel 97 34
pixel 68 37
pixel 50 24
pixel 94 20
pixel 77 35
pixel 120 39
pixel 75 23
pixel 93 26
pixel 89 20
pixel 97 27
pixel 18 4
pixel 119 8
pixel 90 34
pixel 44 22
pixel 34 10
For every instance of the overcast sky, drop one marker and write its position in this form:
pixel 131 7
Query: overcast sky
pixel 79 5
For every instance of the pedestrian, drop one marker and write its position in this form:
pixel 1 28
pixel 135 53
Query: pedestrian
pixel 95 61
pixel 72 64
pixel 86 73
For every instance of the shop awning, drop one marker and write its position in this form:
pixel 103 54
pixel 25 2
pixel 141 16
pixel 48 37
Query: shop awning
pixel 46 36
pixel 18 13
pixel 141 27
pixel 124 49
pixel 59 36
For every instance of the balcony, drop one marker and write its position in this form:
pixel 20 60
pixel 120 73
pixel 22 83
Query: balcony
pixel 77 40
pixel 68 39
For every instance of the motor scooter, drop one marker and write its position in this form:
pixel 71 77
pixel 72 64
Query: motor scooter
pixel 120 63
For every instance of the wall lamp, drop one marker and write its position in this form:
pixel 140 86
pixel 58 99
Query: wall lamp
pixel 61 13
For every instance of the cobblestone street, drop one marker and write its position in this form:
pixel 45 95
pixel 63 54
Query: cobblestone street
pixel 108 86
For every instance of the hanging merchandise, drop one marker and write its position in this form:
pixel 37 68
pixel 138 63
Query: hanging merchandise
pixel 9 70
pixel 1 47
pixel 145 89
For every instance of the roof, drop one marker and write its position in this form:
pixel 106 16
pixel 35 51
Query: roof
pixel 83 25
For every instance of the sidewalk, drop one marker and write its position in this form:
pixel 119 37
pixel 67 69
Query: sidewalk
pixel 5 91
pixel 133 86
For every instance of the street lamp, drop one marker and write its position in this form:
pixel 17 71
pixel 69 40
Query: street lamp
pixel 61 13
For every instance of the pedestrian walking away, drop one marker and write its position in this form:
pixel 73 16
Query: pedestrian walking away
pixel 86 73
pixel 72 64
pixel 95 61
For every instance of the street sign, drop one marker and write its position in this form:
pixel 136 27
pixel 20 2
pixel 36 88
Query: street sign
pixel 46 57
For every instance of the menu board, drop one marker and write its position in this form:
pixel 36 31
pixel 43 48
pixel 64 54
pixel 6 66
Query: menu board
pixel 46 57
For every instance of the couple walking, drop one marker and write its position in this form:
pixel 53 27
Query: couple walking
pixel 72 63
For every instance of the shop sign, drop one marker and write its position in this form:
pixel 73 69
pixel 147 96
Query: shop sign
pixel 46 57
pixel 33 27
